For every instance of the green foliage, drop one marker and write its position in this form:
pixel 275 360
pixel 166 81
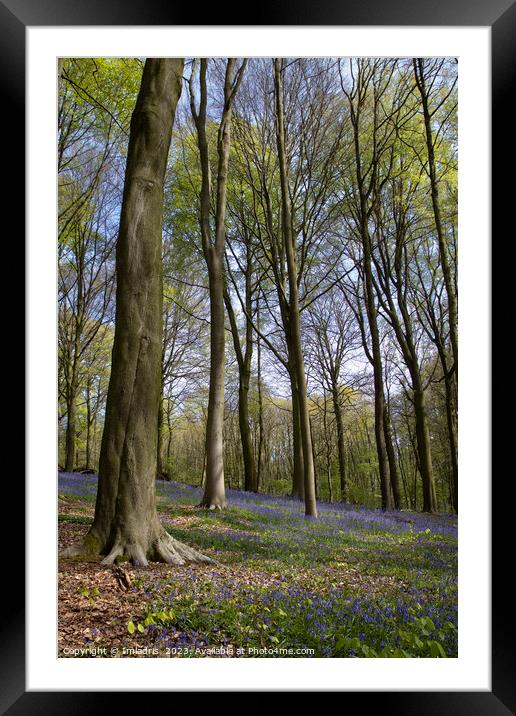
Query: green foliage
pixel 91 594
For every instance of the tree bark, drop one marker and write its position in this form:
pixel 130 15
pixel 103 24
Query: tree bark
pixel 298 470
pixel 452 437
pixel 295 323
pixel 126 523
pixel 423 449
pixel 391 456
pixel 71 424
pixel 244 358
pixel 372 319
pixel 449 283
pixel 89 421
pixel 260 403
pixel 214 496
pixel 340 444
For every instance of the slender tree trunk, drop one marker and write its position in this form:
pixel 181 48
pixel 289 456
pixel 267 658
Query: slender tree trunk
pixel 126 522
pixel 260 403
pixel 214 496
pixel 423 449
pixel 449 283
pixel 295 323
pixel 298 476
pixel 89 421
pixel 379 412
pixel 314 459
pixel 340 445
pixel 328 450
pixel 159 450
pixel 169 431
pixel 244 378
pixel 71 423
pixel 452 437
pixel 250 483
pixel 391 456
pixel 372 319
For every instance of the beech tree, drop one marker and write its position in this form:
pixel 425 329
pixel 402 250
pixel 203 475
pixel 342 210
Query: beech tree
pixel 368 87
pixel 126 523
pixel 214 496
pixel 244 357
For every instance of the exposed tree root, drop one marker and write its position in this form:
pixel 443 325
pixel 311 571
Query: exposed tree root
pixel 87 548
pixel 211 506
pixel 163 548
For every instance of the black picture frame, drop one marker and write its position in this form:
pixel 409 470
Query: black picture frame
pixel 500 16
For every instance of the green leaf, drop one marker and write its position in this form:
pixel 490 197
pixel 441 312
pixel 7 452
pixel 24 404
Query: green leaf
pixel 130 627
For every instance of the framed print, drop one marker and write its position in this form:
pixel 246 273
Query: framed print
pixel 477 44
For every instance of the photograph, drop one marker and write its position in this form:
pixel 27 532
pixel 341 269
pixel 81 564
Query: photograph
pixel 257 357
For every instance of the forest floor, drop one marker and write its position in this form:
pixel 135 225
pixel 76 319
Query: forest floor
pixel 354 583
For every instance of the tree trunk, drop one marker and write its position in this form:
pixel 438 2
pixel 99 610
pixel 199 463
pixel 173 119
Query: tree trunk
pixel 244 378
pixel 126 522
pixel 424 451
pixel 452 437
pixel 245 435
pixel 434 186
pixel 159 449
pixel 260 403
pixel 298 472
pixel 372 319
pixel 314 459
pixel 89 421
pixel 214 496
pixel 391 456
pixel 71 424
pixel 340 444
pixel 328 449
pixel 295 323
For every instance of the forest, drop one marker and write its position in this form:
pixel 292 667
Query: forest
pixel 257 356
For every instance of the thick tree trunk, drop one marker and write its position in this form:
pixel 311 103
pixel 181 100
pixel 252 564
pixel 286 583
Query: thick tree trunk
pixel 295 323
pixel 126 522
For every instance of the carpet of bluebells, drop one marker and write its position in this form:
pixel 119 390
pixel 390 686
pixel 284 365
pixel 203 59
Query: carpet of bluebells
pixel 356 582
